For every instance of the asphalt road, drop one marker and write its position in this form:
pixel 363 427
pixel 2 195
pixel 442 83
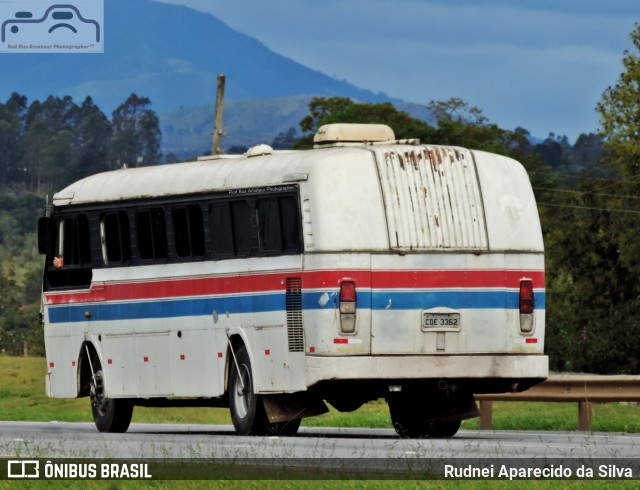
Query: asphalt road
pixel 81 440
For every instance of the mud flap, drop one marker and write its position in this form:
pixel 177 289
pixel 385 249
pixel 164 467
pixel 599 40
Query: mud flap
pixel 282 408
pixel 453 405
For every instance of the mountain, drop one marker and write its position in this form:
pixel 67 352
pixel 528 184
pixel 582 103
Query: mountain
pixel 187 131
pixel 171 54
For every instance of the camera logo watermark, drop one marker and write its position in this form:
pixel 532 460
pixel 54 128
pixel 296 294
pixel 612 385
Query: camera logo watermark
pixel 40 26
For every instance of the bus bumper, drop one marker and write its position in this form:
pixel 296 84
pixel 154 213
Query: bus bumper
pixel 476 367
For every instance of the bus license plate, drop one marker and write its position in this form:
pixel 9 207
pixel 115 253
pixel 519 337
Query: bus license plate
pixel 440 321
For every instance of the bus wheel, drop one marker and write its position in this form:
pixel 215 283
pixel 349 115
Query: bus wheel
pixel 109 415
pixel 406 418
pixel 410 421
pixel 443 430
pixel 247 411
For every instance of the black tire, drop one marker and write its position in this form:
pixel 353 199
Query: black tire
pixel 247 410
pixel 406 419
pixel 443 430
pixel 109 415
pixel 410 421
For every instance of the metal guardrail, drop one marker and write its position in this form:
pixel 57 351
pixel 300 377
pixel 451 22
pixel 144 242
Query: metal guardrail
pixel 582 388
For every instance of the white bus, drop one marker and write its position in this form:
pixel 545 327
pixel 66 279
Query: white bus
pixel 276 281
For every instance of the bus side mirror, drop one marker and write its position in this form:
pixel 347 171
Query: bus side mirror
pixel 44 235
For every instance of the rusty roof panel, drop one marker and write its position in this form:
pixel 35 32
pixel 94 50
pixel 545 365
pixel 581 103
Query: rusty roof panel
pixel 432 198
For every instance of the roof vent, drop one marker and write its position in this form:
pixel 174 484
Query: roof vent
pixel 353 133
pixel 258 150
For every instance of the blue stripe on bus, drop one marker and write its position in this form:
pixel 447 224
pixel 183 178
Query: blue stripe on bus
pixel 396 300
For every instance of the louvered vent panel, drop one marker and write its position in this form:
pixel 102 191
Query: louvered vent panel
pixel 432 198
pixel 295 329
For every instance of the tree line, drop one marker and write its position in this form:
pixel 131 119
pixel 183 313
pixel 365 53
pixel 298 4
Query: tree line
pixel 46 145
pixel 587 195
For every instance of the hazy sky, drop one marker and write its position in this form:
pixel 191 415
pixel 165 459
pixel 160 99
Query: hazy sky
pixel 539 64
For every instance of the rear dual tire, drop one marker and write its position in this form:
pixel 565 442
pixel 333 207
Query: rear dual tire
pixel 410 421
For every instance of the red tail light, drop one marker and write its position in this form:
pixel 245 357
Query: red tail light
pixel 348 307
pixel 348 291
pixel 527 303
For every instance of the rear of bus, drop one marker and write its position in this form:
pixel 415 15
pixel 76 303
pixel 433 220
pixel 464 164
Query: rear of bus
pixel 435 260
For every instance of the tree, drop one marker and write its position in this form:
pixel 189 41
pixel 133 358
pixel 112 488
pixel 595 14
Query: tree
pixel 457 110
pixel 587 151
pixel 92 139
pixel 620 115
pixel 550 151
pixel 460 124
pixel 285 141
pixel 593 255
pixel 136 133
pixel 11 133
pixel 342 110
pixel 620 127
pixel 50 156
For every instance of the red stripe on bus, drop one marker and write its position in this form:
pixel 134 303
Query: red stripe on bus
pixel 454 278
pixel 329 279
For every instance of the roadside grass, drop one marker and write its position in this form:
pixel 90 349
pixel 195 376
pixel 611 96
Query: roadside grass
pixel 22 397
pixel 320 484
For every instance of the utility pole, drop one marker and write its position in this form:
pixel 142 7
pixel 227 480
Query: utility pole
pixel 217 127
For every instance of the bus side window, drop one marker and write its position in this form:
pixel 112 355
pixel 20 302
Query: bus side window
pixel 241 224
pixel 279 225
pixel 188 231
pixel 151 230
pixel 116 242
pixel 70 265
pixel 75 243
pixel 269 226
pixel 290 225
pixel 230 229
pixel 221 233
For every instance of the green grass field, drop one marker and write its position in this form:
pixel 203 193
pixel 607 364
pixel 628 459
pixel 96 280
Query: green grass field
pixel 321 485
pixel 22 397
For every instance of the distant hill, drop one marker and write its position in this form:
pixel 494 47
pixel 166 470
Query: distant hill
pixel 187 131
pixel 171 54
